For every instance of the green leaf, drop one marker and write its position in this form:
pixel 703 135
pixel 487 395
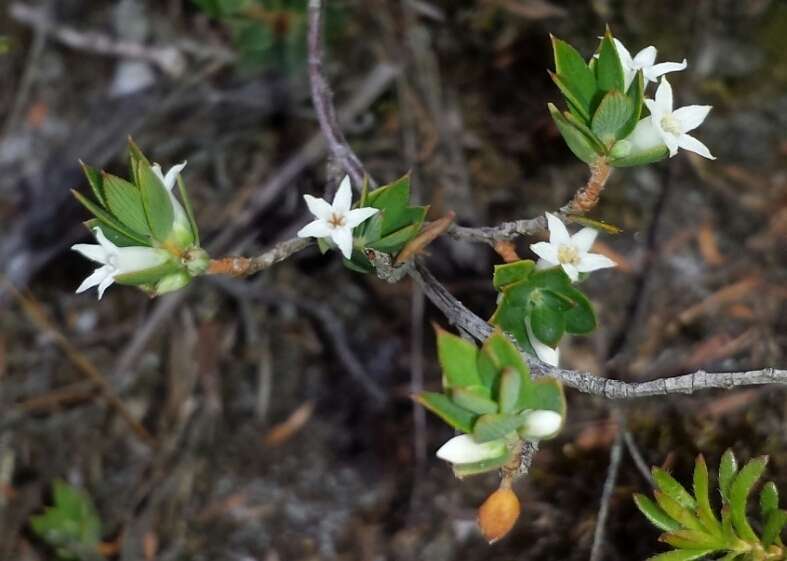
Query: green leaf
pixel 107 218
pixel 503 354
pixel 612 117
pixel 727 529
pixel 681 555
pixel 396 241
pixel 581 319
pixel 464 470
pixel 577 142
pixel 155 200
pixel 148 276
pixel 702 496
pixel 769 499
pixel 442 406
pixel 548 324
pixel 577 107
pixel 545 393
pixel 732 556
pixel 96 182
pixel 125 202
pixel 739 491
pixel 609 70
pixel 728 467
pixel 487 370
pixel 692 539
pixel 677 511
pixel 493 426
pixel 572 119
pixel 640 158
pixel 135 158
pixel 72 522
pixel 473 400
pixel 392 199
pixel 636 96
pixel 655 514
pixel 510 387
pixel 573 71
pixel 670 486
pixel 458 360
pixel 510 273
pixel 116 237
pixel 184 198
pixel 774 525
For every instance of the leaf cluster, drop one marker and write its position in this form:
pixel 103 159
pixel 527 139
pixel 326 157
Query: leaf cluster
pixel 71 526
pixel 489 393
pixel 545 300
pixel 601 110
pixel 695 529
pixel 389 230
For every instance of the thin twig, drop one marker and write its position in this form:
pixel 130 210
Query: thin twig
pixel 636 455
pixel 323 103
pixel 615 455
pixel 242 266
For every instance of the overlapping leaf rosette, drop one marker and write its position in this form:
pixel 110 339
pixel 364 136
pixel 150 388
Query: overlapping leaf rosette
pixel 491 398
pixel 146 236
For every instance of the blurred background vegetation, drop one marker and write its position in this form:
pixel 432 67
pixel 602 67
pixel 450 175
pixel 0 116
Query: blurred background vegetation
pixel 269 418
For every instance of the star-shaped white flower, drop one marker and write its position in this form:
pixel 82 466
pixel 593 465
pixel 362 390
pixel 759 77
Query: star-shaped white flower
pixel 644 60
pixel 570 252
pixel 543 351
pixel 672 126
pixel 336 221
pixel 115 261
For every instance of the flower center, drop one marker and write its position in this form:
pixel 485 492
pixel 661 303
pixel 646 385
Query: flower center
pixel 337 220
pixel 568 255
pixel 112 261
pixel 670 124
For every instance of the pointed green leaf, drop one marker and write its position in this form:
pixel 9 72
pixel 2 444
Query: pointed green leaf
pixel 135 157
pixel 494 426
pixel 769 499
pixel 702 496
pixel 774 525
pixel 572 119
pixel 731 556
pixel 692 539
pixel 577 142
pixel 640 158
pixel 739 491
pixel 581 319
pixel 116 237
pixel 727 529
pixel 677 511
pixel 393 199
pixel 572 69
pixel 96 182
pixel 155 200
pixel 473 401
pixel 655 514
pixel 636 96
pixel 148 276
pixel 504 354
pixel 464 470
pixel 670 486
pixel 125 202
pixel 511 319
pixel 442 406
pixel 577 107
pixel 358 264
pixel 510 387
pixel 487 370
pixel 510 273
pixel 184 198
pixel 681 555
pixel 609 70
pixel 544 393
pixel 107 218
pixel 458 360
pixel 611 118
pixel 548 324
pixel 394 242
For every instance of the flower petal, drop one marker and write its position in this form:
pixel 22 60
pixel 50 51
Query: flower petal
pixel 583 240
pixel 541 264
pixel 344 197
pixel 655 112
pixel 571 271
pixel 671 141
pixel 94 279
pixel 318 207
pixel 543 352
pixel 359 215
pixel 463 449
pixel 316 229
pixel 156 169
pixel 645 58
pixel 104 284
pixel 652 74
pixel 624 54
pixel 557 230
pixel 540 423
pixel 664 96
pixel 132 259
pixel 108 246
pixel 171 178
pixel 688 142
pixel 546 251
pixel 343 238
pixel 91 251
pixel 691 116
pixel 593 262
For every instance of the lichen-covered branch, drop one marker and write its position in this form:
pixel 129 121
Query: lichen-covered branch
pixel 242 266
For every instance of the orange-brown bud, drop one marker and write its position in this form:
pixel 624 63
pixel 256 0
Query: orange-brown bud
pixel 498 514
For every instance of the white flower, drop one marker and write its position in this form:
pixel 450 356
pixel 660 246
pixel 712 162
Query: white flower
pixel 543 351
pixel 336 221
pixel 644 60
pixel 540 423
pixel 181 221
pixel 570 252
pixel 672 126
pixel 463 449
pixel 116 261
